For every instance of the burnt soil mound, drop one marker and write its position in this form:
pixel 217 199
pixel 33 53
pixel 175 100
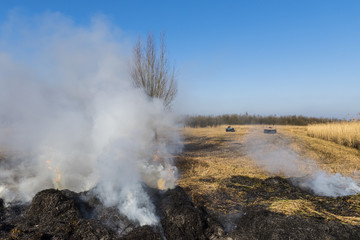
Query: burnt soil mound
pixel 309 216
pixel 55 214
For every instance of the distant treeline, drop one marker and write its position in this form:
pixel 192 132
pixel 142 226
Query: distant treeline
pixel 242 119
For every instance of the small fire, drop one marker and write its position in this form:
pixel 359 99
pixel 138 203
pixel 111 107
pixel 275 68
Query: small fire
pixel 156 158
pixel 158 172
pixel 161 184
pixel 168 181
pixel 166 174
pixel 55 170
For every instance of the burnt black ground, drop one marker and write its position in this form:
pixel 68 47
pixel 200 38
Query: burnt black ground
pixel 55 214
pixel 257 222
pixel 263 224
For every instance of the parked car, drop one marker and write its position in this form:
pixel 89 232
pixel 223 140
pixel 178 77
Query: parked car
pixel 270 130
pixel 230 129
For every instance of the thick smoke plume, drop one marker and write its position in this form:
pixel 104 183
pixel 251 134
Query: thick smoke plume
pixel 71 118
pixel 274 154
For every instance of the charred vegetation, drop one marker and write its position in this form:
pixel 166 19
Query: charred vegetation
pixel 55 214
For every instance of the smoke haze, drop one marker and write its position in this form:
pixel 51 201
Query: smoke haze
pixel 273 153
pixel 73 119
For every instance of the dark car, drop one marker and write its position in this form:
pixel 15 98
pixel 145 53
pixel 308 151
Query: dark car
pixel 270 130
pixel 230 129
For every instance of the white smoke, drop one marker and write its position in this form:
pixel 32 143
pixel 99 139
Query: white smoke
pixel 332 184
pixel 74 119
pixel 273 153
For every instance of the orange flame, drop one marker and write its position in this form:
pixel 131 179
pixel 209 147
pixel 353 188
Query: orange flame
pixel 161 184
pixel 56 170
pixel 58 179
pixel 166 176
pixel 156 158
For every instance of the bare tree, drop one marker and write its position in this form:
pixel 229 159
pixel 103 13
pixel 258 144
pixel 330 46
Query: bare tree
pixel 152 71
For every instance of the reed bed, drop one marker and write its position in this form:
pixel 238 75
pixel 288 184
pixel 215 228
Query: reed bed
pixel 344 133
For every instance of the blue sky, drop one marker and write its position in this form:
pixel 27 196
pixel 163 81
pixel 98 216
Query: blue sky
pixel 260 57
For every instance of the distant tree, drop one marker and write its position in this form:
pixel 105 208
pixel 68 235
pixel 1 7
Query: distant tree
pixel 212 121
pixel 152 71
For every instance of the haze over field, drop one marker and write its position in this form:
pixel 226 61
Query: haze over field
pixel 274 154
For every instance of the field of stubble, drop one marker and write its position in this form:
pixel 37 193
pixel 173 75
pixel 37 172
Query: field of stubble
pixel 218 173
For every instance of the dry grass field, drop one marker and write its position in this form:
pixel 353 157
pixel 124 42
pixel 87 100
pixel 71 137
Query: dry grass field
pixel 217 172
pixel 210 158
pixel 345 133
pixel 329 155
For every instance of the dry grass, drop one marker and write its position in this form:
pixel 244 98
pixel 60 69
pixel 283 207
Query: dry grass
pixel 330 156
pixel 344 133
pixel 217 173
pixel 307 208
pixel 210 157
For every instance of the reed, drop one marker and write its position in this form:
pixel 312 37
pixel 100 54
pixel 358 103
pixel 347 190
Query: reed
pixel 344 133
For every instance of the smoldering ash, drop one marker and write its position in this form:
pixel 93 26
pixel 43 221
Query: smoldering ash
pixel 71 118
pixel 274 154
